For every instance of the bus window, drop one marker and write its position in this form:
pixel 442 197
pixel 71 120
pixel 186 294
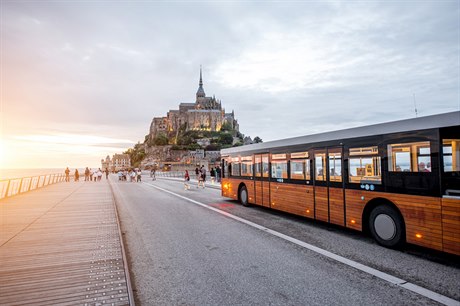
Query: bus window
pixel 335 166
pixel 265 167
pixel 409 157
pixel 257 166
pixel 451 154
pixel 320 166
pixel 279 166
pixel 364 165
pixel 235 171
pixel 246 165
pixel 300 169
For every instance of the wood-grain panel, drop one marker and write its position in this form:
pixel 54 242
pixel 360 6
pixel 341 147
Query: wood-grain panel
pixel 336 206
pixel 295 199
pixel 258 193
pixel 230 188
pixel 422 215
pixel 321 203
pixel 451 225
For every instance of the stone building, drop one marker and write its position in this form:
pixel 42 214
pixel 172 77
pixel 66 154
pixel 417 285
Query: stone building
pixel 205 114
pixel 118 162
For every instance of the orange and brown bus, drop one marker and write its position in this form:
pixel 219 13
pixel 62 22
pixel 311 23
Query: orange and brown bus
pixel 398 181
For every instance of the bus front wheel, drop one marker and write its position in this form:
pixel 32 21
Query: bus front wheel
pixel 387 226
pixel 244 196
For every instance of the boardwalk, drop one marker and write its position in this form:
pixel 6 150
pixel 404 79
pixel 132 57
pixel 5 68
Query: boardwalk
pixel 61 245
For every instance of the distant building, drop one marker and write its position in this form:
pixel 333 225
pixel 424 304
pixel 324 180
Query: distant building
pixel 205 114
pixel 106 164
pixel 118 162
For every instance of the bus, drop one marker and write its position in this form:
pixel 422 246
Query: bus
pixel 397 181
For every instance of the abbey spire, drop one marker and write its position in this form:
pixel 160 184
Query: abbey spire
pixel 200 93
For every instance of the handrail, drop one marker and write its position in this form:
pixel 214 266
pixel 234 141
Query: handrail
pixel 12 187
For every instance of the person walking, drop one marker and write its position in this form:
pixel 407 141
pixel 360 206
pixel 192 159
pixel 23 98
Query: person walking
pixel 218 174
pixel 197 173
pixel 106 173
pixel 86 174
pixel 139 175
pixel 186 180
pixel 200 180
pixel 213 175
pixel 203 173
pixel 67 174
pixel 77 176
pixel 91 173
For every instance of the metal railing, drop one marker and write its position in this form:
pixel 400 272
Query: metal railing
pixel 11 187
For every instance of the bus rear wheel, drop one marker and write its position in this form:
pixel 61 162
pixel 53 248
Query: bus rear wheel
pixel 244 196
pixel 387 226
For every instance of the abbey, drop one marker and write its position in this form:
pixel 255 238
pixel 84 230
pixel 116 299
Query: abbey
pixel 205 114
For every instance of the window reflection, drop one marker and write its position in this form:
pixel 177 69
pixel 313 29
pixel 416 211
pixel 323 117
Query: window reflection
pixel 451 155
pixel 320 166
pixel 364 165
pixel 409 157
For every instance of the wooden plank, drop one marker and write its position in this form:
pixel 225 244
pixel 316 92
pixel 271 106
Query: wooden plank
pixel 62 246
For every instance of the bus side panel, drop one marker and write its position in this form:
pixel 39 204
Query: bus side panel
pixel 451 225
pixel 250 187
pixel 321 201
pixel 354 208
pixel 295 199
pixel 230 188
pixel 266 194
pixel 422 215
pixel 336 206
pixel 258 193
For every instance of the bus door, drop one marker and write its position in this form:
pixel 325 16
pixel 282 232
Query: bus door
pixel 450 185
pixel 328 180
pixel 261 180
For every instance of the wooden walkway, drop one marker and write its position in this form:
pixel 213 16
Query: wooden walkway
pixel 61 245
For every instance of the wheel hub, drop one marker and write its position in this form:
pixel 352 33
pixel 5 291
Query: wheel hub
pixel 385 227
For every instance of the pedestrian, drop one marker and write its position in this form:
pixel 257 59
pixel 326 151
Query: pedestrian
pixel 106 173
pixel 77 176
pixel 153 174
pixel 139 175
pixel 133 176
pixel 203 173
pixel 213 175
pixel 91 173
pixel 218 174
pixel 99 174
pixel 200 180
pixel 197 173
pixel 86 174
pixel 186 180
pixel 67 174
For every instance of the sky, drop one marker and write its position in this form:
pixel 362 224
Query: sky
pixel 81 80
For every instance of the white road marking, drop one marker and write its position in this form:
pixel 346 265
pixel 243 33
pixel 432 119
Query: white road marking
pixel 382 275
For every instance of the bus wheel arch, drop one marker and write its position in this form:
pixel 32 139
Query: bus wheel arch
pixel 243 196
pixel 384 222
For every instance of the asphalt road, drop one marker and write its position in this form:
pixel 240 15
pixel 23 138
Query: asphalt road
pixel 181 253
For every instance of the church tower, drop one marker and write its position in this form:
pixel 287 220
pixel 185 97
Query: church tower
pixel 200 93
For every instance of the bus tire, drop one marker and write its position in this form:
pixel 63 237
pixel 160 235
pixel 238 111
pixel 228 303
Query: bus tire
pixel 243 195
pixel 387 226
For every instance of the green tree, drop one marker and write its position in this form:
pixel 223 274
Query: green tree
pixel 161 140
pixel 226 138
pixel 257 139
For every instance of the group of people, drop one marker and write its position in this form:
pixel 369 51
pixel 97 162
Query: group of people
pixel 90 174
pixel 131 175
pixel 200 173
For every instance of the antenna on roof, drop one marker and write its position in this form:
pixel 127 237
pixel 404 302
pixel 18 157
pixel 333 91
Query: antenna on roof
pixel 415 106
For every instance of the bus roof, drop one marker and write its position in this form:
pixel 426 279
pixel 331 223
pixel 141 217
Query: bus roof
pixel 414 124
